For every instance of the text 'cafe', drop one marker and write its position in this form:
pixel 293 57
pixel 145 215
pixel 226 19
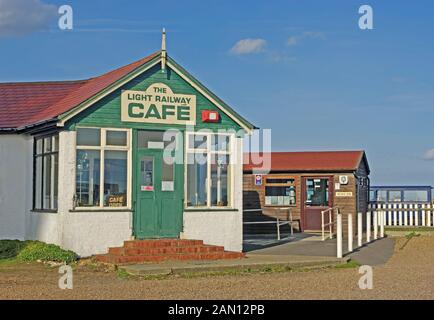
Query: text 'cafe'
pixel 141 152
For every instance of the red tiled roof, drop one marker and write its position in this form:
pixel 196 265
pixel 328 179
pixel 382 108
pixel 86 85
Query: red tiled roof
pixel 308 161
pixel 23 104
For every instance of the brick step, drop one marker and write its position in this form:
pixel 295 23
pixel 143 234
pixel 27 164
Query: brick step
pixel 129 251
pixel 123 259
pixel 160 243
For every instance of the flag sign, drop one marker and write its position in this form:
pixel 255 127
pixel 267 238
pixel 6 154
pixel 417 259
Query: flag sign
pixel 258 179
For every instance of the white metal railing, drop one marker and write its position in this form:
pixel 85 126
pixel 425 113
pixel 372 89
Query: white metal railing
pixel 330 223
pixel 278 222
pixel 405 213
pixel 378 219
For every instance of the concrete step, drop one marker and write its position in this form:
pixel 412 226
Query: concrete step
pixel 159 243
pixel 154 251
pixel 164 250
pixel 123 259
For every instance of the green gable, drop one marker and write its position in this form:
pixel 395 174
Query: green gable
pixel 107 111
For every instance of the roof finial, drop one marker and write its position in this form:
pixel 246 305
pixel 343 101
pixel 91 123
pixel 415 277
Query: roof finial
pixel 163 50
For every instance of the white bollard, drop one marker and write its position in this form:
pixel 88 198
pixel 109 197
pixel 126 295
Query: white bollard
pixel 429 215
pixel 423 215
pixel 375 225
pixel 339 235
pixel 400 214
pixel 359 229
pixel 382 221
pixel 368 226
pixel 350 232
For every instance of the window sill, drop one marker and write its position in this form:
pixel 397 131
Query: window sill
pixel 280 206
pixel 43 211
pixel 209 209
pixel 100 210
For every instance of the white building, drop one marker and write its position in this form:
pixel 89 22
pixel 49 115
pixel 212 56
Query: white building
pixel 144 151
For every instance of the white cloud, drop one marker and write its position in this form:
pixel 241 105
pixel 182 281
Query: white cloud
pixel 294 40
pixel 20 17
pixel 313 35
pixel 279 57
pixel 248 46
pixel 429 154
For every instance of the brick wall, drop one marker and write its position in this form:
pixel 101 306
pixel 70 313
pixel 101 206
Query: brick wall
pixel 254 196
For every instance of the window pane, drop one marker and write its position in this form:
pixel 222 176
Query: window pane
pixel 395 196
pixel 220 180
pixel 115 178
pixel 168 173
pixel 55 143
pixel 154 139
pixel 197 141
pixel 39 146
pixel 55 161
pixel 196 180
pixel 88 137
pixel 280 180
pixel 220 142
pixel 147 174
pixel 116 138
pixel 88 174
pixel 280 195
pixel 317 192
pixel 38 183
pixel 47 183
pixel 47 144
pixel 382 195
pixel 415 195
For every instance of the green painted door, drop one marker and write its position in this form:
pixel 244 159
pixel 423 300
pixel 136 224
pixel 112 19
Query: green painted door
pixel 159 196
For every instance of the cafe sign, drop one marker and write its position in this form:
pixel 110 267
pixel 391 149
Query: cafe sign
pixel 158 104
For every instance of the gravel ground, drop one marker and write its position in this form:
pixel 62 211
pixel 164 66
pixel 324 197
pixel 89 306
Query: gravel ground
pixel 409 274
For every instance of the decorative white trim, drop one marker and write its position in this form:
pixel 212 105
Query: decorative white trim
pixel 194 85
pixel 209 153
pixel 130 77
pixel 102 148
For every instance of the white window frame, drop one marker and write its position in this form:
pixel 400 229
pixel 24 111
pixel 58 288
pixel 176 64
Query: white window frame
pixel 102 148
pixel 54 186
pixel 209 153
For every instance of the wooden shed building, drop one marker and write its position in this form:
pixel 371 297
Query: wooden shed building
pixel 306 183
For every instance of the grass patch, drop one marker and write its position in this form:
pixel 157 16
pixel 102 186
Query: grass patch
pixel 218 273
pixel 348 265
pixel 122 274
pixel 412 235
pixel 409 229
pixel 408 237
pixel 15 250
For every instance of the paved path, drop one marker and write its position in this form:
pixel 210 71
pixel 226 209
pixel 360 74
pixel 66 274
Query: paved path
pixel 375 253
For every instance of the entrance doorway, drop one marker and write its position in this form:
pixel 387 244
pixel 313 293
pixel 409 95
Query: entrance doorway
pixel 317 196
pixel 158 188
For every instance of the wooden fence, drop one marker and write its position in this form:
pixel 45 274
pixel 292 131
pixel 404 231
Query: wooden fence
pixel 405 214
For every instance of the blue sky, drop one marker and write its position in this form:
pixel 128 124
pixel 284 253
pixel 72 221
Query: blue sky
pixel 306 70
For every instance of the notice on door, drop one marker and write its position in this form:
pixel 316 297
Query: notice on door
pixel 167 186
pixel 158 104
